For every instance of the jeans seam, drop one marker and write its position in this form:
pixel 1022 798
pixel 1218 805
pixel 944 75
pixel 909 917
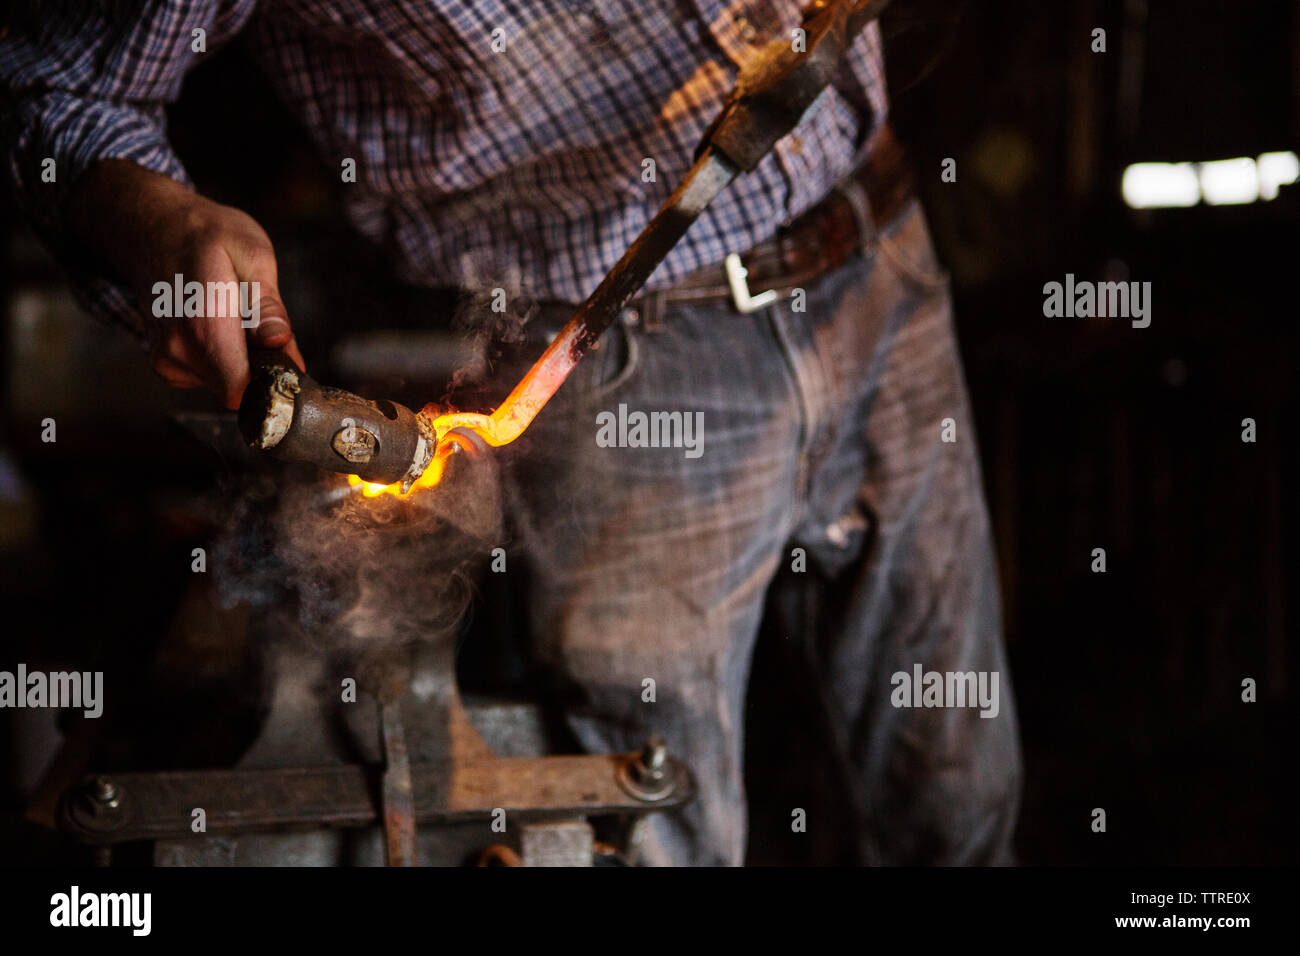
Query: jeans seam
pixel 781 320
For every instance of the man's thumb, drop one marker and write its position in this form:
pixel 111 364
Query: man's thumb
pixel 269 326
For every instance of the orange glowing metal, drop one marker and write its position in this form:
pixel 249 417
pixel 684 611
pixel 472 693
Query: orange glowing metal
pixel 501 427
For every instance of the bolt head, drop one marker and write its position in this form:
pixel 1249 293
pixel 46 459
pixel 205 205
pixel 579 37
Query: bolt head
pixel 653 759
pixel 355 445
pixel 104 792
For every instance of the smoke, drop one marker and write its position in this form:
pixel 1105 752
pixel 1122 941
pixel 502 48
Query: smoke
pixel 330 571
pixel 492 313
pixel 333 573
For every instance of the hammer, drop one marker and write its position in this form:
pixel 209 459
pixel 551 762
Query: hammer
pixel 284 412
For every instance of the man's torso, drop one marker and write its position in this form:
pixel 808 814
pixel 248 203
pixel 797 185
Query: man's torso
pixel 524 145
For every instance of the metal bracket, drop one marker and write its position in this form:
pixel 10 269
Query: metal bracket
pixel 157 806
pixel 736 276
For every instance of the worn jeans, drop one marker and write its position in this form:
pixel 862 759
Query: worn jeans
pixel 838 437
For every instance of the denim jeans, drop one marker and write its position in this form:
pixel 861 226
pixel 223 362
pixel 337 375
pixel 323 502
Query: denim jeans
pixel 838 436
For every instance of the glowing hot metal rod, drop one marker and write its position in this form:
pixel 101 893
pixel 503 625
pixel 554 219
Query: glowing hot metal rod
pixel 288 415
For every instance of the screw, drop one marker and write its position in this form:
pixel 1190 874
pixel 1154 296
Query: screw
pixel 105 793
pixel 651 763
pixel 648 775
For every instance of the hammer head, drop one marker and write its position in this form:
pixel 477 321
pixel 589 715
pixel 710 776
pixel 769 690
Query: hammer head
pixel 286 413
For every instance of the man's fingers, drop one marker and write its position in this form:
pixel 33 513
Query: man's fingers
pixel 227 356
pixel 219 352
pixel 175 373
pixel 230 263
pixel 271 328
pixel 254 261
pixel 190 356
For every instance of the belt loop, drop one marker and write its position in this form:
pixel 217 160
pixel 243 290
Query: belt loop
pixel 652 311
pixel 856 196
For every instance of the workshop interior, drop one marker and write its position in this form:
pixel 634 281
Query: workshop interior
pixel 148 541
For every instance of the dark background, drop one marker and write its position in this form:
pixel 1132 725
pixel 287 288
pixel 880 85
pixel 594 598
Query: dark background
pixel 1093 434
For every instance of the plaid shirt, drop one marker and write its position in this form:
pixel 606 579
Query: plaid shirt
pixel 522 168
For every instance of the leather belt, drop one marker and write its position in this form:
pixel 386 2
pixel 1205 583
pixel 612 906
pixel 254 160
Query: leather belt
pixel 819 241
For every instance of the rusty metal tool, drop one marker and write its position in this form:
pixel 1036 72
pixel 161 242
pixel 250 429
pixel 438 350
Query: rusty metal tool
pixel 398 794
pixel 287 414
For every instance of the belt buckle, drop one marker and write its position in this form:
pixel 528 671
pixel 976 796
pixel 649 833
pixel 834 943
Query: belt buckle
pixel 736 275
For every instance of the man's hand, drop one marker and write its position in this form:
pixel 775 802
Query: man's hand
pixel 149 228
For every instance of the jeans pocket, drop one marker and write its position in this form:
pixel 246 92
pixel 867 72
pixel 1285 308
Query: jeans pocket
pixel 906 244
pixel 610 367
